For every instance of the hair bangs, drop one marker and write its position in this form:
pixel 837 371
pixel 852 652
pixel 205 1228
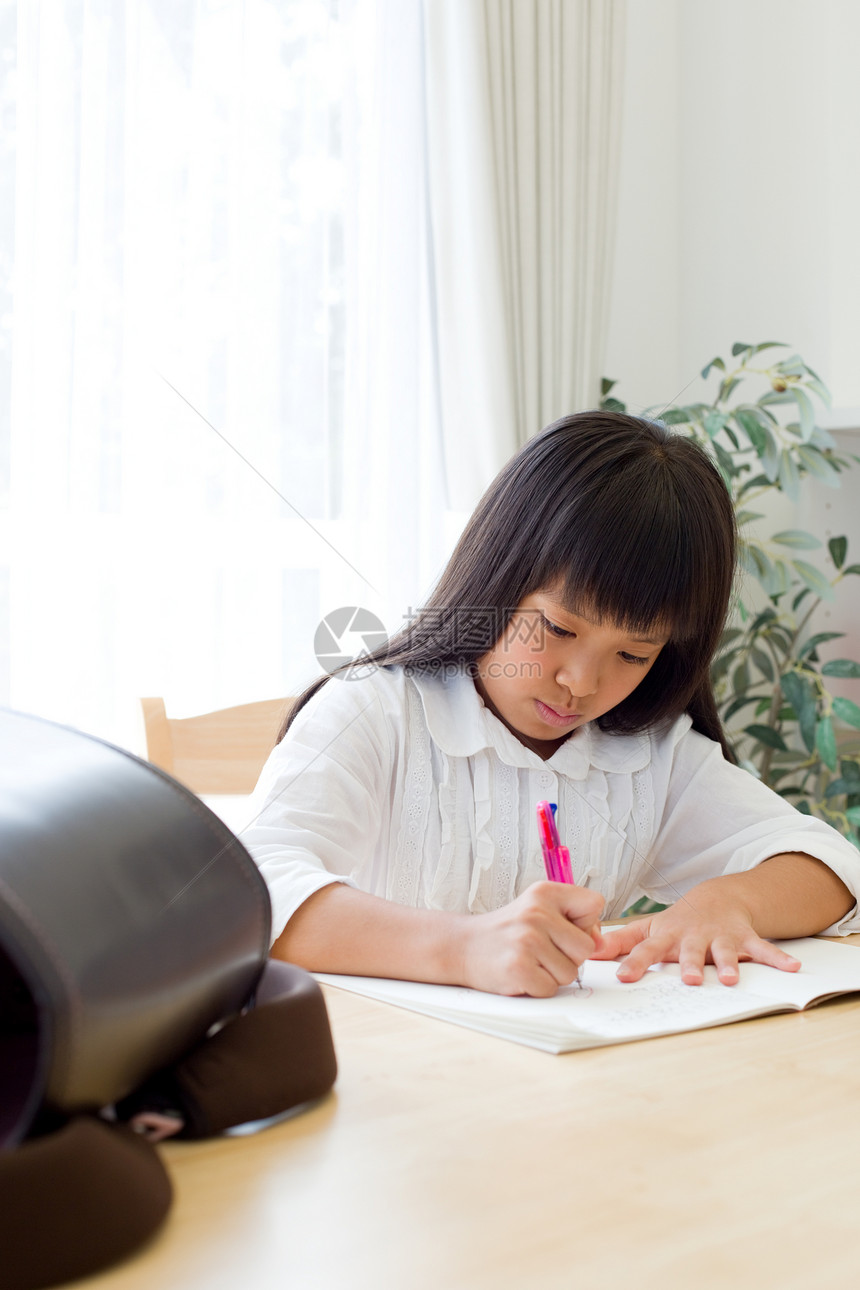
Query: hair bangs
pixel 638 550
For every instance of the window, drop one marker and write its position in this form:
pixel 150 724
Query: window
pixel 216 254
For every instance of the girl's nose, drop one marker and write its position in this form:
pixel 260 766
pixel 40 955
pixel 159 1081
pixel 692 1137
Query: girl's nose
pixel 580 677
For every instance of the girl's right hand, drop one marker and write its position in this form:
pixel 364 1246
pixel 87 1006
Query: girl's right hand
pixel 535 944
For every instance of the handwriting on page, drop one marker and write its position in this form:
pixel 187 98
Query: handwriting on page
pixel 657 1003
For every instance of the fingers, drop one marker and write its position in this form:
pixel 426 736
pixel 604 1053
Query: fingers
pixel 621 940
pixel 771 955
pixel 568 917
pixel 696 949
pixel 536 960
pixel 578 904
pixel 535 944
pixel 562 961
pixel 584 908
pixel 724 955
pixel 654 949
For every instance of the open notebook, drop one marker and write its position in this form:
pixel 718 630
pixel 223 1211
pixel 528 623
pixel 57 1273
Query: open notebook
pixel 603 1011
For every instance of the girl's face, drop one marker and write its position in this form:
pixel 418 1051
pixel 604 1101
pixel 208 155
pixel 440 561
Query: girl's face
pixel 553 670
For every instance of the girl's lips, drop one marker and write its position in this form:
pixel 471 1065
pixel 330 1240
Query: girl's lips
pixel 553 718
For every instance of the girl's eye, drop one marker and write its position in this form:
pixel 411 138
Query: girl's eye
pixel 556 630
pixel 633 658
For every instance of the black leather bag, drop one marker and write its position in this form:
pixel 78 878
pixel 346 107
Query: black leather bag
pixel 134 932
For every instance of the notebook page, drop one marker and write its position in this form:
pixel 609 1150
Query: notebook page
pixel 603 1009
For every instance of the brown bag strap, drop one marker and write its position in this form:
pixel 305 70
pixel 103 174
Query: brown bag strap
pixel 77 1200
pixel 274 1057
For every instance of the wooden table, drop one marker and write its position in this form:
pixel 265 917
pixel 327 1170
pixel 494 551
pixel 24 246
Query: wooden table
pixel 448 1160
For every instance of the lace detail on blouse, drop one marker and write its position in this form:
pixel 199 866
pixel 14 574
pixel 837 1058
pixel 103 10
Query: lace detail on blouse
pixel 643 803
pixel 404 877
pixel 505 868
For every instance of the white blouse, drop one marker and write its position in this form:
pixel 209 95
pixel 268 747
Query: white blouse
pixel 408 787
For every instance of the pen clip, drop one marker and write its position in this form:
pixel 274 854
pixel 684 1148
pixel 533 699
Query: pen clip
pixel 553 852
pixel 546 822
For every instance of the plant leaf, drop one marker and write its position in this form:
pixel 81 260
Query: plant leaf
pixel 815 580
pixel 838 548
pixel 789 479
pixel 825 742
pixel 752 429
pixel 766 735
pixel 769 344
pixel 778 636
pixel 818 387
pixel 741 678
pixel 822 438
pixel 818 465
pixel 762 662
pixel 727 388
pixel 736 705
pixel 776 396
pixel 800 695
pixel 841 667
pixel 796 538
pixel 721 665
pixel 725 461
pixel 747 517
pixel 837 787
pixel 714 423
pixel 715 362
pixel 810 646
pixel 807 413
pixel 678 416
pixel 853 815
pixel 791 366
pixel 757 481
pixel 767 615
pixel 739 347
pixel 847 711
pixel 754 560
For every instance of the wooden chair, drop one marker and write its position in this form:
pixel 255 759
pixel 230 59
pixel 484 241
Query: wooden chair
pixel 216 753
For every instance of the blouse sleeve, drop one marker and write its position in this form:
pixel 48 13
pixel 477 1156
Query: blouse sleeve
pixel 719 819
pixel 318 806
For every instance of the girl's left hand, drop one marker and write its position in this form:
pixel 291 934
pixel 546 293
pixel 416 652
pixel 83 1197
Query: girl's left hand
pixel 705 926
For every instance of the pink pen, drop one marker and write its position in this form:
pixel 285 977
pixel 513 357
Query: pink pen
pixel 556 858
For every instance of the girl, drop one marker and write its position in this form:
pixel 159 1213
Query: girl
pixel 564 655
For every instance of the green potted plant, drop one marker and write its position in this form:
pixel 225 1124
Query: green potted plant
pixel 761 428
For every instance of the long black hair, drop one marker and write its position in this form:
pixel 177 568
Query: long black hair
pixel 635 525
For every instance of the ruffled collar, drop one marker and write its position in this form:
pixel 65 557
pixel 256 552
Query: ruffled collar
pixel 461 725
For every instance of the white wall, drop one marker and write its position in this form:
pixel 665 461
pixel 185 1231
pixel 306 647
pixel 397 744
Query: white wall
pixel 740 190
pixel 740 209
pixel 643 348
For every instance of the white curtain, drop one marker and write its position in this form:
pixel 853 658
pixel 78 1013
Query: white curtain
pixel 396 506
pixel 213 226
pixel 523 119
pixel 253 252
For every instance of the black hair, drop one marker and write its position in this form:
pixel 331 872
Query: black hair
pixel 632 522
